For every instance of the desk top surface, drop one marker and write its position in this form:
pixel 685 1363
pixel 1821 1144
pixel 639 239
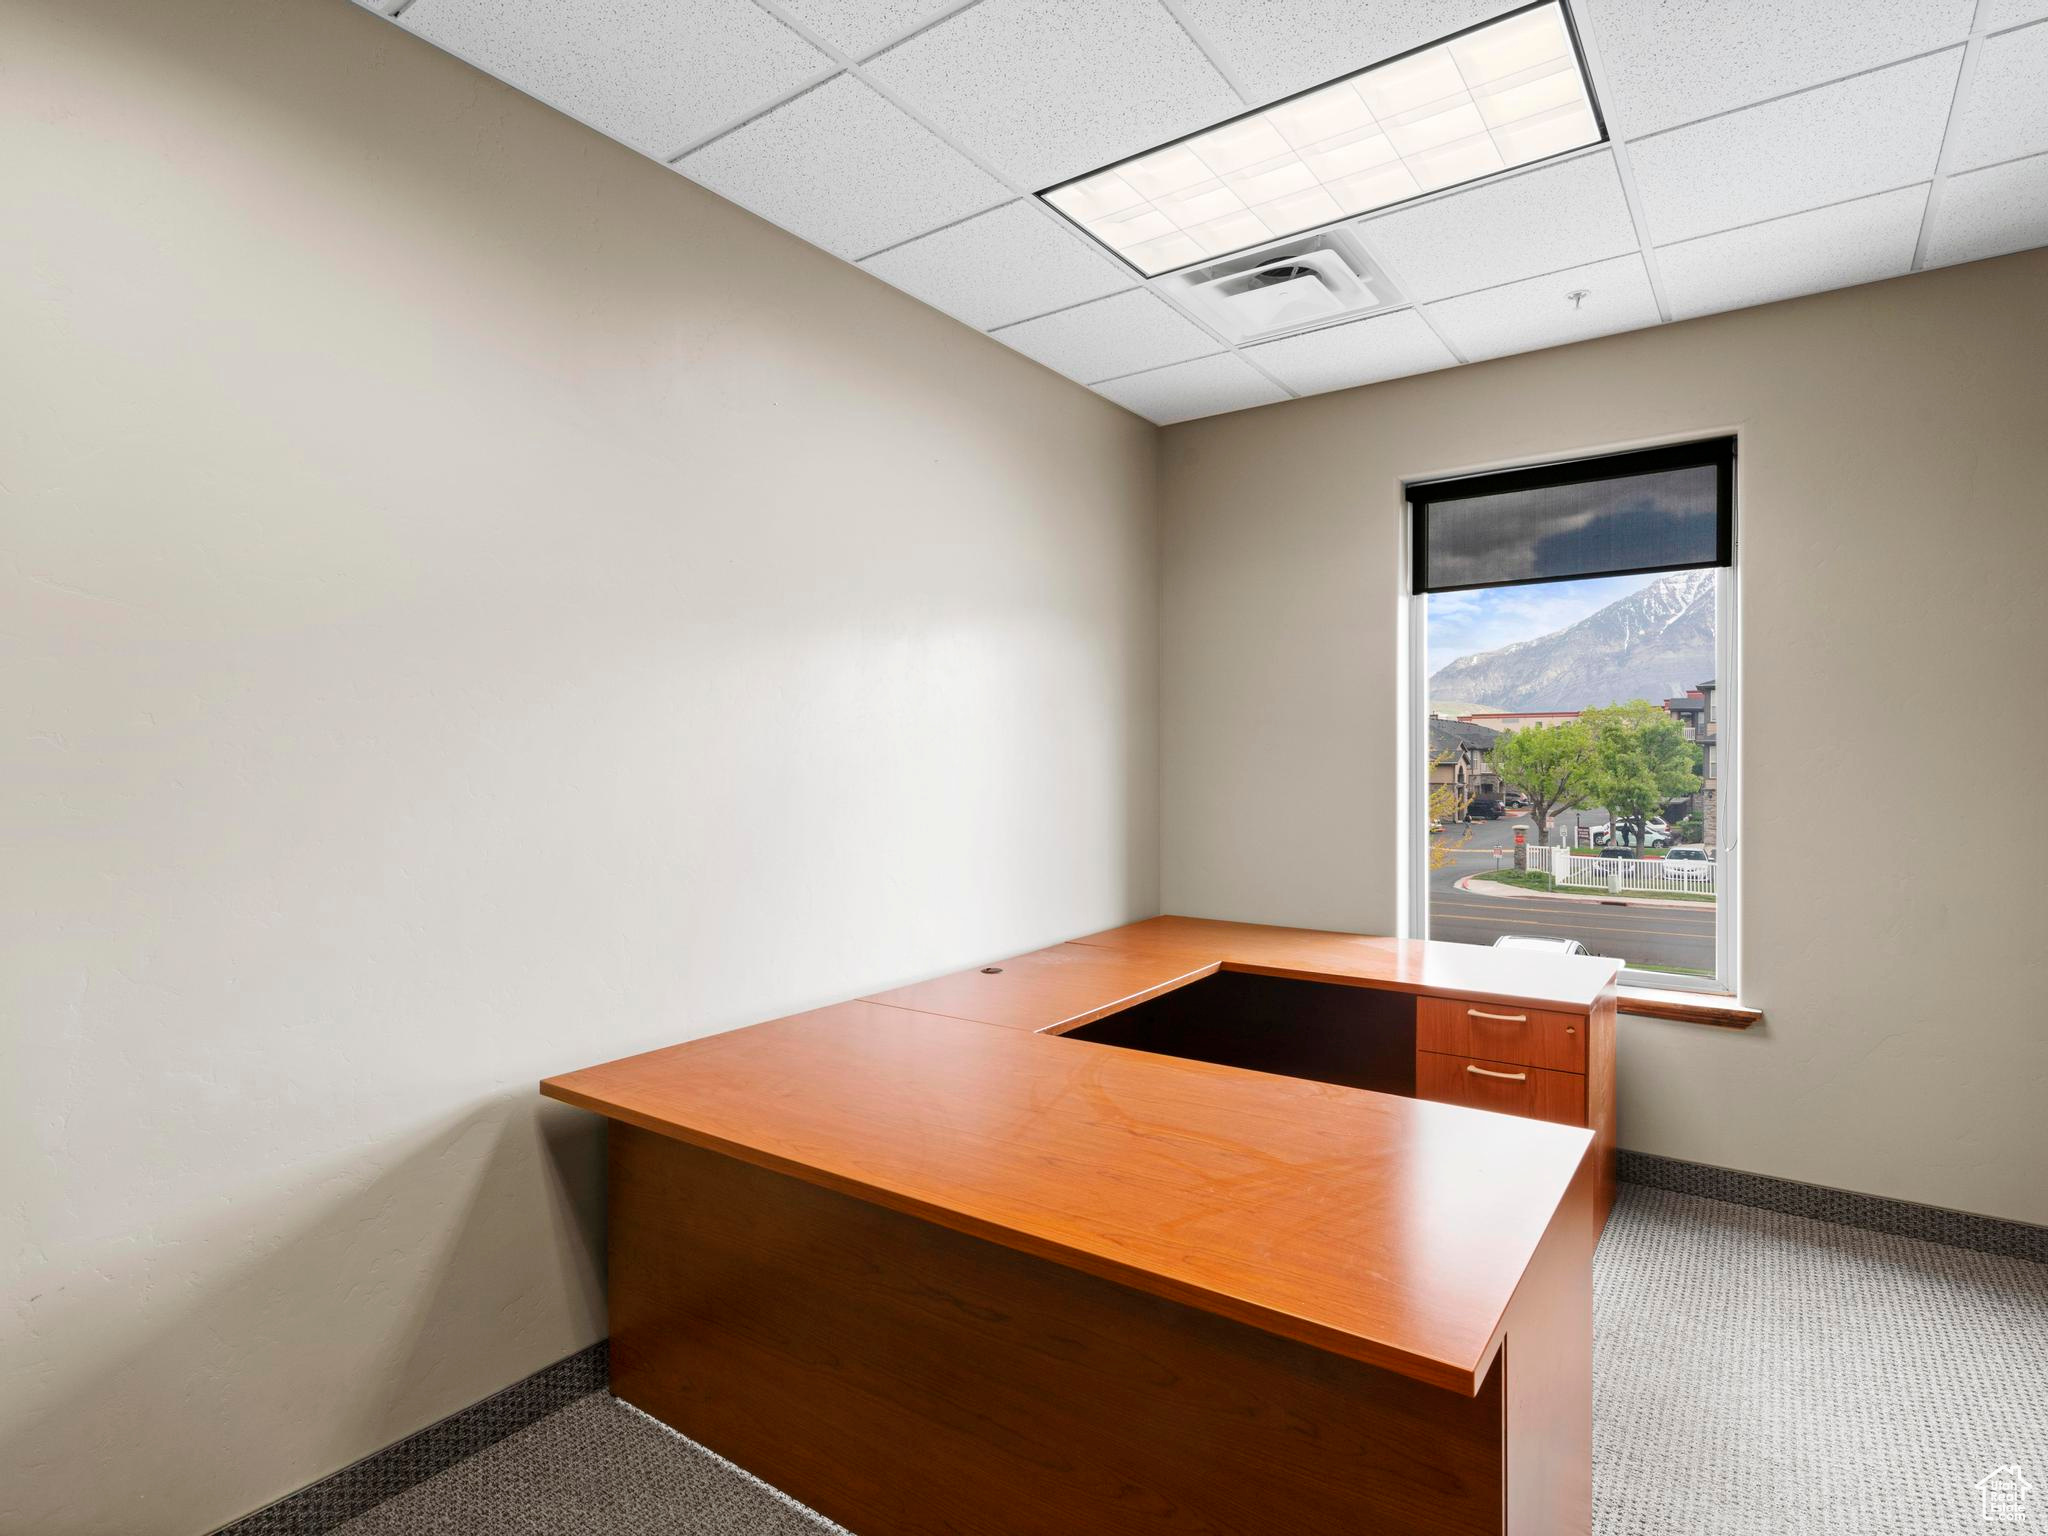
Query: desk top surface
pixel 1387 1229
pixel 1570 983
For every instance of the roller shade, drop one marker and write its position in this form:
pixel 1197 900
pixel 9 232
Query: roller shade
pixel 1659 509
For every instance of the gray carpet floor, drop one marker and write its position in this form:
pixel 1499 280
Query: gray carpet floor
pixel 1754 1375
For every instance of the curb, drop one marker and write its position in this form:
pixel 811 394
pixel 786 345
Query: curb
pixel 1514 893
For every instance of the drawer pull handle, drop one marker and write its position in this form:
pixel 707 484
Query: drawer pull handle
pixel 1497 1018
pixel 1511 1077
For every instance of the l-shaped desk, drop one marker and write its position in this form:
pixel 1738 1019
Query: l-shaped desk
pixel 1187 1226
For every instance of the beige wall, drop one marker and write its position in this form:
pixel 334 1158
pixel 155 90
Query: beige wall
pixel 1894 558
pixel 475 604
pixel 471 604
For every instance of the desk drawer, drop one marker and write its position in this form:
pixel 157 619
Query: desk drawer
pixel 1510 1088
pixel 1456 1026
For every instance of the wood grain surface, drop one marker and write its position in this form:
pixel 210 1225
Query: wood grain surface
pixel 1547 1363
pixel 1532 1036
pixel 1713 1008
pixel 1570 983
pixel 907 1380
pixel 1382 1229
pixel 1059 987
pixel 1505 1087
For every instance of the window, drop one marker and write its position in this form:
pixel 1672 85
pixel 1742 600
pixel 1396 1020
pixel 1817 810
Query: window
pixel 1573 634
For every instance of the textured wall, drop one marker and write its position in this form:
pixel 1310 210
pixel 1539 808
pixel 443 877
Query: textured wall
pixel 471 604
pixel 1893 634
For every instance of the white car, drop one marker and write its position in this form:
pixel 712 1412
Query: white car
pixel 1655 834
pixel 1555 946
pixel 1690 861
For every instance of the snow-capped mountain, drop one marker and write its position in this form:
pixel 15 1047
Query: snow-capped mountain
pixel 1653 644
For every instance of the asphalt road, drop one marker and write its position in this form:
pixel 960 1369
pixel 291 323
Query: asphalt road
pixel 1641 935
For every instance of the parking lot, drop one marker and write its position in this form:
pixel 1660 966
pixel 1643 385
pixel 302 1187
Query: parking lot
pixel 1668 935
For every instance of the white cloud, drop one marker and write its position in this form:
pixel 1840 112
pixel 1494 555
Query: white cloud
pixel 1466 623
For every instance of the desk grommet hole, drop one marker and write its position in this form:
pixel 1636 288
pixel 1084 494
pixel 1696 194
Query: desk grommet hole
pixel 991 970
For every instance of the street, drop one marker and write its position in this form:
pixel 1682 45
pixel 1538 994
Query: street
pixel 1680 936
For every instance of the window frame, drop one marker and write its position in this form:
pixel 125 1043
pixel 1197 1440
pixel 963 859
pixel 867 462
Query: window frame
pixel 1724 710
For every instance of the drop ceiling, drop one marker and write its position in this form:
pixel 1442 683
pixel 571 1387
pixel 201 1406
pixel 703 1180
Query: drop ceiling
pixel 1758 150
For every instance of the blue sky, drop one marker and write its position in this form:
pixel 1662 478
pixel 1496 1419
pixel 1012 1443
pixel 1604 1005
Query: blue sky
pixel 1462 623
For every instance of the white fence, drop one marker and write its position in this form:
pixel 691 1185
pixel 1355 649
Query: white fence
pixel 1578 872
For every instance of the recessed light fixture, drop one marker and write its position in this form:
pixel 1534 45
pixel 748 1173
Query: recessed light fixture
pixel 1501 95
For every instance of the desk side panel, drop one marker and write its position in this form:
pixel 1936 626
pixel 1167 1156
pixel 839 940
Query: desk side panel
pixel 1600 1100
pixel 1546 1358
pixel 900 1377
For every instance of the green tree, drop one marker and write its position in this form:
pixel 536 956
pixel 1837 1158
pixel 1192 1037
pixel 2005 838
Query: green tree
pixel 1554 765
pixel 1640 760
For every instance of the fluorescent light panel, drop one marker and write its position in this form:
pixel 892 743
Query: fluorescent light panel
pixel 1499 96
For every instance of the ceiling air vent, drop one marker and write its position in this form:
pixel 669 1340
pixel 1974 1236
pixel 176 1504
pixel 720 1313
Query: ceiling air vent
pixel 1286 287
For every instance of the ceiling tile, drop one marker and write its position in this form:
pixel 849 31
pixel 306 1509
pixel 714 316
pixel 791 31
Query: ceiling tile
pixel 1111 337
pixel 1279 47
pixel 1545 220
pixel 1991 213
pixel 1045 89
pixel 2005 108
pixel 1539 311
pixel 1184 391
pixel 1836 247
pixel 1000 267
pixel 1996 15
pixel 1670 63
pixel 1869 134
pixel 1359 352
pixel 842 168
pixel 859 27
pixel 649 73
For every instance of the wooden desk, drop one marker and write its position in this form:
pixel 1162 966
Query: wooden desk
pixel 947 1271
pixel 1517 1032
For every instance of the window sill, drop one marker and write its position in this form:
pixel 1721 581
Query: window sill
pixel 1718 1009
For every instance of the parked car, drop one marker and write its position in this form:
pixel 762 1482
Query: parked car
pixel 1691 862
pixel 1655 834
pixel 1516 799
pixel 1485 808
pixel 1555 946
